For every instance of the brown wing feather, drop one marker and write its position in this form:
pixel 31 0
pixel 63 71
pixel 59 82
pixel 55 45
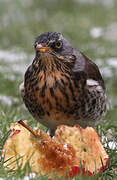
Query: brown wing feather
pixel 92 71
pixel 85 65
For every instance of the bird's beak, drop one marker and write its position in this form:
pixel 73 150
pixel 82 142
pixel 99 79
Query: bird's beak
pixel 42 49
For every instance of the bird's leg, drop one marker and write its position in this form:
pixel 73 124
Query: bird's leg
pixel 51 132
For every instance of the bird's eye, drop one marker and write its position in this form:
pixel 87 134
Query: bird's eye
pixel 58 44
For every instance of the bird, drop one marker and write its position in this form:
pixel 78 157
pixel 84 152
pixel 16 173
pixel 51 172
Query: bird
pixel 62 85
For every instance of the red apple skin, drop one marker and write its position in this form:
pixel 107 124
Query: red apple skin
pixel 76 170
pixel 17 131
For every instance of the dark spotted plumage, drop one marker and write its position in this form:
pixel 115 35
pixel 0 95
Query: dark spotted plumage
pixel 62 86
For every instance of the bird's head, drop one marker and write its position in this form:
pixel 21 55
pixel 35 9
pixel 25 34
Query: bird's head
pixel 53 43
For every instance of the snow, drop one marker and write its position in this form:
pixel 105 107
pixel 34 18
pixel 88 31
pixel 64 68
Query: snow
pixel 8 100
pixel 96 32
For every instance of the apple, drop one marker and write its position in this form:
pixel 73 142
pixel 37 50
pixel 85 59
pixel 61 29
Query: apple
pixel 88 147
pixel 37 147
pixel 70 147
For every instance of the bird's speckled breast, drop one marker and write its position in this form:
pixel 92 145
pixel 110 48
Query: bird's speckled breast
pixel 51 96
pixel 54 97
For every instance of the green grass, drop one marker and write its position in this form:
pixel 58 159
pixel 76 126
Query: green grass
pixel 20 22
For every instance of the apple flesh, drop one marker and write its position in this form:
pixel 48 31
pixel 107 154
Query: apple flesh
pixel 88 147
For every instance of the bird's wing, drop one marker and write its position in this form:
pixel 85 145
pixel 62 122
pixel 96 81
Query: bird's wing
pixel 92 71
pixel 87 69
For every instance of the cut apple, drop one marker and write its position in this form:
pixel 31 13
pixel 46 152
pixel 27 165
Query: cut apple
pixel 19 148
pixel 70 147
pixel 43 153
pixel 86 142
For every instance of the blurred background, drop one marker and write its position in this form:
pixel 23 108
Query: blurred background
pixel 91 27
